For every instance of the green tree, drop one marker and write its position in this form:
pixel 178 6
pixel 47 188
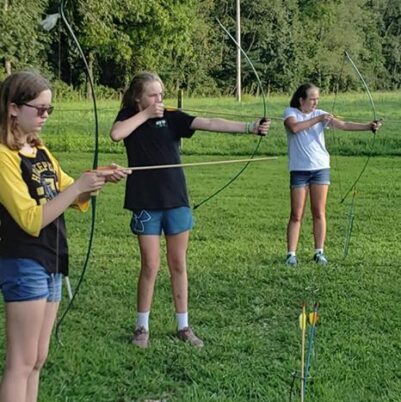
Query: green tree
pixel 22 41
pixel 194 67
pixel 390 31
pixel 125 36
pixel 289 41
pixel 280 34
pixel 161 34
pixel 102 34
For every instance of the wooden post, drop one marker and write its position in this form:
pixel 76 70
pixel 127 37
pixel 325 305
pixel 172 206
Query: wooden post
pixel 180 103
pixel 180 100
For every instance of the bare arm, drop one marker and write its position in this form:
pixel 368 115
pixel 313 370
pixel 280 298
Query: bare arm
pixel 122 129
pixel 229 126
pixel 296 126
pixel 350 126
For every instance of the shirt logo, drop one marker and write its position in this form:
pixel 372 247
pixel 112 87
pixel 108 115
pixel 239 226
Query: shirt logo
pixel 161 123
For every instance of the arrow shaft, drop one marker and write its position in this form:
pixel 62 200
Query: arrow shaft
pixel 303 352
pixel 177 165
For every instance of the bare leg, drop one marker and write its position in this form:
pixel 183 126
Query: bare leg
pixel 150 262
pixel 298 201
pixel 318 197
pixel 24 322
pixel 176 258
pixel 42 351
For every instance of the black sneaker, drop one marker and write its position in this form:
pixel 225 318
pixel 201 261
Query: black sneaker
pixel 320 259
pixel 291 260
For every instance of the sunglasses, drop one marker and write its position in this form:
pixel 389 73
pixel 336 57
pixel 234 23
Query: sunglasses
pixel 40 109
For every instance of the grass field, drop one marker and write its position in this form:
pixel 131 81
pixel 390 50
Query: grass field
pixel 71 126
pixel 244 301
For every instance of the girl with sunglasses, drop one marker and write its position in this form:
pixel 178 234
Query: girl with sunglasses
pixel 158 198
pixel 34 193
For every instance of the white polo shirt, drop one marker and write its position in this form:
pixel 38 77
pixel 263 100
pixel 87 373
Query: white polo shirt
pixel 307 148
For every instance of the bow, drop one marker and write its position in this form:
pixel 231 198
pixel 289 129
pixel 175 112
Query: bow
pixel 94 166
pixel 352 188
pixel 235 177
pixel 374 131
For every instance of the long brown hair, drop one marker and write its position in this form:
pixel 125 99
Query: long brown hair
pixel 20 87
pixel 301 92
pixel 136 88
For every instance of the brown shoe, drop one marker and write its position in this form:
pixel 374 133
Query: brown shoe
pixel 140 338
pixel 187 335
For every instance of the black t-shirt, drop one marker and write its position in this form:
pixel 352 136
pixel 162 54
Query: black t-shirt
pixel 50 247
pixel 156 142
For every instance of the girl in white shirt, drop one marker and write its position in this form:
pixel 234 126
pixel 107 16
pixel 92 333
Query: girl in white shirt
pixel 309 165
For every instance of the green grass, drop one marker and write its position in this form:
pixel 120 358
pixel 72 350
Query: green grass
pixel 243 301
pixel 71 126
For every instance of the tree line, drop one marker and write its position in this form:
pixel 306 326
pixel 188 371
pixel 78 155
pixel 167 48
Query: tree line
pixel 288 41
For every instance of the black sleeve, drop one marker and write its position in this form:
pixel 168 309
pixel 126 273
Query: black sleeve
pixel 124 114
pixel 181 122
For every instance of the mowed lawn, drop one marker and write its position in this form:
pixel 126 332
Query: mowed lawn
pixel 244 301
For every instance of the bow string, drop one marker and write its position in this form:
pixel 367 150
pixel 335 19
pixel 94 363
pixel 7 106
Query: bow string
pixel 94 165
pixel 365 85
pixel 352 188
pixel 238 174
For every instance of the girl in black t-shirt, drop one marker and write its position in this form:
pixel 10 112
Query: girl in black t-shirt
pixel 158 198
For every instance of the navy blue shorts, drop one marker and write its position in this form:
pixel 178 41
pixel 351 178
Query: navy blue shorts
pixel 169 221
pixel 23 279
pixel 303 178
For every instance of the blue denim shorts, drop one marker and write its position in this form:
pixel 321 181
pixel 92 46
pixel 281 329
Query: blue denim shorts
pixel 23 279
pixel 169 221
pixel 303 178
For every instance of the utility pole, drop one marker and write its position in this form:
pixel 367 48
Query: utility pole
pixel 238 39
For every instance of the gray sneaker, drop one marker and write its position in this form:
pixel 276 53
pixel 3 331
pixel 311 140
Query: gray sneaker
pixel 320 259
pixel 187 335
pixel 291 260
pixel 140 338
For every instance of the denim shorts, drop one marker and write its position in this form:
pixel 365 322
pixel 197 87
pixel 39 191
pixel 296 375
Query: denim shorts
pixel 303 178
pixel 169 221
pixel 23 279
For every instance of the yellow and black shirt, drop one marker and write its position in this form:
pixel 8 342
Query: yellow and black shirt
pixel 27 182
